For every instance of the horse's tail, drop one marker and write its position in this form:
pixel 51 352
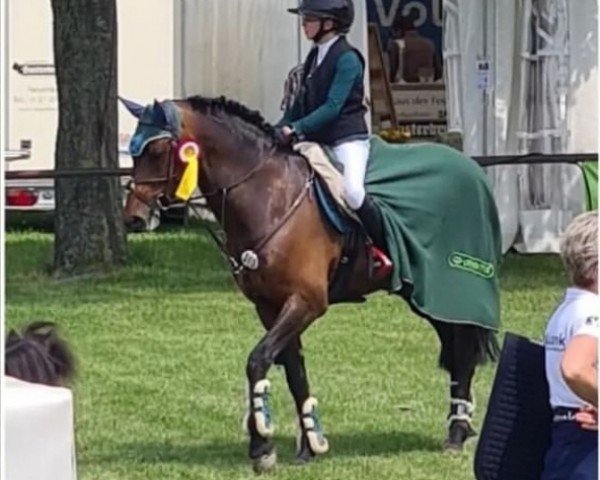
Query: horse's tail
pixel 466 344
pixel 487 345
pixel 39 355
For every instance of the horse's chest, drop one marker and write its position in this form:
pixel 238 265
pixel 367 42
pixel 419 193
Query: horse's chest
pixel 251 284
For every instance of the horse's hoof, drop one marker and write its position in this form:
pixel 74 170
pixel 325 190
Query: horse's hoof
pixel 265 463
pixel 460 432
pixel 301 461
pixel 304 457
pixel 453 448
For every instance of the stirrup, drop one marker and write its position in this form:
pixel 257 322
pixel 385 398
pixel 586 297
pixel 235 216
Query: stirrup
pixel 382 265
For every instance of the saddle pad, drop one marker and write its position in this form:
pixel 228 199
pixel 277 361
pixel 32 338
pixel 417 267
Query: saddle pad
pixel 517 425
pixel 330 209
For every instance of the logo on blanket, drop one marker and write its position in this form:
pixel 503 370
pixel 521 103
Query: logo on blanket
pixel 470 264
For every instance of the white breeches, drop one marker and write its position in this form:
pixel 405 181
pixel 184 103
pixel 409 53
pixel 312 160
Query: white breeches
pixel 354 156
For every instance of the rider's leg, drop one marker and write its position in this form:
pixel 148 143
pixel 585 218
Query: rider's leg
pixel 370 216
pixel 354 156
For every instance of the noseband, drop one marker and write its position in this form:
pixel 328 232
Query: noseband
pixel 163 200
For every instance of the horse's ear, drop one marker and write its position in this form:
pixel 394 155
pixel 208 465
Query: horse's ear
pixel 40 328
pixel 134 108
pixel 159 116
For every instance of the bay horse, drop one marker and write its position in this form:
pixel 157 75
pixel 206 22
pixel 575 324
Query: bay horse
pixel 283 252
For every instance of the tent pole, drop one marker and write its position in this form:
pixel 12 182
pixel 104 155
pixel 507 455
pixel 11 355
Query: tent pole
pixel 484 91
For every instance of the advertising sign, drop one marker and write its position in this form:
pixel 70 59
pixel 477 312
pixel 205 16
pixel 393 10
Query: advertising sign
pixel 411 37
pixel 427 14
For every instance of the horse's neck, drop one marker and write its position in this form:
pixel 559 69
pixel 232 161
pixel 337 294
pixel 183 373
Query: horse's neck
pixel 228 158
pixel 252 208
pixel 227 167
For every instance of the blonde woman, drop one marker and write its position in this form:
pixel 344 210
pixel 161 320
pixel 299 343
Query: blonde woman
pixel 573 452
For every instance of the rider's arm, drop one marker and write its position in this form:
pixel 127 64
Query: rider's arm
pixel 348 71
pixel 579 366
pixel 290 114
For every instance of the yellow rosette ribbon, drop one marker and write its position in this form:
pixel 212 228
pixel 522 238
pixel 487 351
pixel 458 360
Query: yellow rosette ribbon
pixel 188 154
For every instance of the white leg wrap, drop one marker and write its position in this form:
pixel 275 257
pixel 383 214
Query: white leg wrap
pixel 261 409
pixel 460 410
pixel 312 428
pixel 468 406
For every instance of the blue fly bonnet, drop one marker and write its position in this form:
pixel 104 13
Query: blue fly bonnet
pixel 160 120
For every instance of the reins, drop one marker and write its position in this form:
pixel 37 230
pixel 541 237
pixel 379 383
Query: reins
pixel 248 259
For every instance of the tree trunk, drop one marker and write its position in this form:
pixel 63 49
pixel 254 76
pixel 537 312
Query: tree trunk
pixel 89 230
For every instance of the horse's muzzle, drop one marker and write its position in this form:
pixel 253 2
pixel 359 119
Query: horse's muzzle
pixel 136 224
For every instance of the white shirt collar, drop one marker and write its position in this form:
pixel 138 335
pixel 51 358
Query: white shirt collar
pixel 324 48
pixel 574 292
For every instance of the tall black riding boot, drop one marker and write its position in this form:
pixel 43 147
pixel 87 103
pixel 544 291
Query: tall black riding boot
pixel 370 216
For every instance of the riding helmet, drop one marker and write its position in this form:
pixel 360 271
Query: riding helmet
pixel 341 11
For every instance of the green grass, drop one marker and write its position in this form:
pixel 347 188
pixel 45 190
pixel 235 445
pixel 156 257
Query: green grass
pixel 162 346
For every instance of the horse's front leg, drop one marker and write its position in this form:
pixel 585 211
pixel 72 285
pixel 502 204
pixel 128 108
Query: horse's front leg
pixel 294 317
pixel 311 440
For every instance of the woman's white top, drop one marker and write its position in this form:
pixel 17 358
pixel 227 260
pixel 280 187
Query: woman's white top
pixel 577 314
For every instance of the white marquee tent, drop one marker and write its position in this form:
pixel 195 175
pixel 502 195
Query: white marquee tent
pixel 541 98
pixel 540 94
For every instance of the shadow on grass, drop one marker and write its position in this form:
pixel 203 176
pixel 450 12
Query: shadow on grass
pixel 367 444
pixel 218 453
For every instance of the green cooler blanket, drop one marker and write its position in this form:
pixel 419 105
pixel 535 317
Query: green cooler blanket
pixel 442 230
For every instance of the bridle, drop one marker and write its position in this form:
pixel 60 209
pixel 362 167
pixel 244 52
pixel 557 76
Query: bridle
pixel 171 178
pixel 164 200
pixel 237 264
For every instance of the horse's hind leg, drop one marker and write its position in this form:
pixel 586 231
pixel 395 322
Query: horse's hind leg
pixel 294 317
pixel 461 401
pixel 311 440
pixel 463 348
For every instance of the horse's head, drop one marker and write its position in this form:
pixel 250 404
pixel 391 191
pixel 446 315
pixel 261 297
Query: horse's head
pixel 165 160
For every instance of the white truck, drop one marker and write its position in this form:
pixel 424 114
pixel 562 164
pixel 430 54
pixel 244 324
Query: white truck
pixel 146 53
pixel 242 49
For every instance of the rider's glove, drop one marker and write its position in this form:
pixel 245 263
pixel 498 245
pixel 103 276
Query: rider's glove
pixel 285 135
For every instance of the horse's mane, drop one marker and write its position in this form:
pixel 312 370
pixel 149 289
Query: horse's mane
pixel 250 124
pixel 38 355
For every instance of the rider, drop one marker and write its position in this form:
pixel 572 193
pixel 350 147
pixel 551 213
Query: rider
pixel 330 107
